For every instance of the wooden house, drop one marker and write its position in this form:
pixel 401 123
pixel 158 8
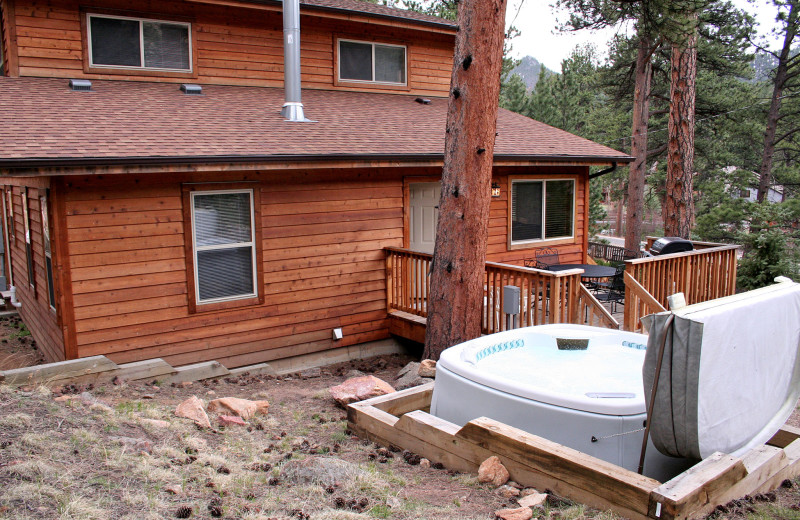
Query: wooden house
pixel 143 219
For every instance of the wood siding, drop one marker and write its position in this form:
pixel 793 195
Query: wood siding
pixel 40 319
pixel 8 40
pixel 232 46
pixel 323 234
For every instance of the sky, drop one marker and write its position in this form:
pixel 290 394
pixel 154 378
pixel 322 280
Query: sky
pixel 537 21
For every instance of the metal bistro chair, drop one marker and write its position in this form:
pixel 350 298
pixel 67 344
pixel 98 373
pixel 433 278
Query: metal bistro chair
pixel 614 289
pixel 547 256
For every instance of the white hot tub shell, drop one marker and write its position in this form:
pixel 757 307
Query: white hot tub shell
pixel 591 400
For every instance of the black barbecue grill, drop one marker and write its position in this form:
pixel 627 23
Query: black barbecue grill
pixel 667 245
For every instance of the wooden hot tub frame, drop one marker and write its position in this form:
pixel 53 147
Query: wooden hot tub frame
pixel 402 419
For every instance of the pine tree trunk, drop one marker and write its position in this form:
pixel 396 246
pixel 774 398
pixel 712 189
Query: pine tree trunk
pixel 456 296
pixel 773 115
pixel 641 109
pixel 678 208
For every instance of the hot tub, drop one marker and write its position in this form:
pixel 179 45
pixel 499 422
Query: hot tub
pixel 591 400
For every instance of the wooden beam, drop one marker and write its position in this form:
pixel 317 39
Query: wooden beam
pixel 58 371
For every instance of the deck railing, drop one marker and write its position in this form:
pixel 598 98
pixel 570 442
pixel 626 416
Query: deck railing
pixel 701 275
pixel 545 296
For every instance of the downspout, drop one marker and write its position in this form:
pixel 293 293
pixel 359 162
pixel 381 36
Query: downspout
pixel 293 107
pixel 603 172
pixel 13 300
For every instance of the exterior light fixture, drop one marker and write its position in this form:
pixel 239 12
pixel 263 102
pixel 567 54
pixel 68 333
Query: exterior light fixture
pixel 495 189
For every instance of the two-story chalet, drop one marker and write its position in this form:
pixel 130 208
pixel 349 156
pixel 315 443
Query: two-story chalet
pixel 143 219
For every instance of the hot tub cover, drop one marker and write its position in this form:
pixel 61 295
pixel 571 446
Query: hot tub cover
pixel 730 377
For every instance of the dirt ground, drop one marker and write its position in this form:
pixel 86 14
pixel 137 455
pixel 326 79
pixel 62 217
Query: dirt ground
pixel 104 454
pixel 17 347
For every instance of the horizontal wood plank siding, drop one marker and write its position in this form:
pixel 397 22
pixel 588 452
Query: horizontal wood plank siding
pixel 323 267
pixel 40 319
pixel 233 46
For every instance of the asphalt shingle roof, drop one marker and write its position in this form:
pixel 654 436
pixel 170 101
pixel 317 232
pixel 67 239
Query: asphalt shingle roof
pixel 42 119
pixel 376 9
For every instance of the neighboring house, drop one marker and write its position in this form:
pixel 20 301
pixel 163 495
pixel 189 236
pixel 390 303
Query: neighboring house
pixel 146 222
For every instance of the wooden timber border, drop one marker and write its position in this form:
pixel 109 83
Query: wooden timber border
pixel 402 419
pixel 98 369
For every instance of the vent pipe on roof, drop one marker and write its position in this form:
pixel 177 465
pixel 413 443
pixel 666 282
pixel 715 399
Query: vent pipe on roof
pixel 293 107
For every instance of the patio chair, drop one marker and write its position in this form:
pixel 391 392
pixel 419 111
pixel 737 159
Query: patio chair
pixel 546 256
pixel 613 291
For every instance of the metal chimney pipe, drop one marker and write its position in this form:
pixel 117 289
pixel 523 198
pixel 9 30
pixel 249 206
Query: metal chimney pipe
pixel 293 107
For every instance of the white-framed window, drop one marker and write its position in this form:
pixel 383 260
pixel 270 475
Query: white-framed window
pixel 224 245
pixel 369 62
pixel 542 209
pixel 139 43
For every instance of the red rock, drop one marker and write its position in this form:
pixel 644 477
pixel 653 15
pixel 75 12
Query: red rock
pixel 244 408
pixel 507 491
pixel 427 368
pixel 520 513
pixel 231 420
pixel 360 388
pixel 492 470
pixel 192 408
pixel 533 500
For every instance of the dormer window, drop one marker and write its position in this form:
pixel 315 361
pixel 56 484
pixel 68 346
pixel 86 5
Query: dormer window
pixel 372 62
pixel 138 43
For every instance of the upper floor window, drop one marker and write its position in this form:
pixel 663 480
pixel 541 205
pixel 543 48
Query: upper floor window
pixel 542 210
pixel 137 43
pixel 372 62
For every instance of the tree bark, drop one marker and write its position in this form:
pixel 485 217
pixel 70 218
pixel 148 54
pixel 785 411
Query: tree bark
pixel 678 208
pixel 773 115
pixel 641 111
pixel 456 296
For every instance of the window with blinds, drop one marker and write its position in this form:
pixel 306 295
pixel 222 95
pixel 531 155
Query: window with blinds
pixel 372 62
pixel 224 245
pixel 542 210
pixel 122 42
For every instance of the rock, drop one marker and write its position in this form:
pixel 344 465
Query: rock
pixel 412 367
pixel 311 373
pixel 321 471
pixel 427 368
pixel 244 408
pixel 533 500
pixel 156 423
pixel 527 491
pixel 65 398
pixel 520 513
pixel 492 470
pixel 424 463
pixel 192 408
pixel 184 384
pixel 134 444
pixel 409 380
pixel 507 491
pixel 231 420
pixel 360 388
pixel 354 373
pixel 211 392
pixel 175 489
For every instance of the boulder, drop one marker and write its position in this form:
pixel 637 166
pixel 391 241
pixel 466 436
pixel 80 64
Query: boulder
pixel 411 379
pixel 427 368
pixel 533 500
pixel 520 513
pixel 192 408
pixel 244 408
pixel 493 471
pixel 360 388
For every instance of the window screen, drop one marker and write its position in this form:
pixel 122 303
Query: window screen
pixel 361 61
pixel 115 42
pixel 224 244
pixel 130 42
pixel 542 209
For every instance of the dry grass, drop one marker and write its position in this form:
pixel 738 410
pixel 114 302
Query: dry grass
pixel 72 461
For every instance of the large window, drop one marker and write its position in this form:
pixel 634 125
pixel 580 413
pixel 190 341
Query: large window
pixel 372 62
pixel 48 252
pixel 135 43
pixel 224 244
pixel 542 210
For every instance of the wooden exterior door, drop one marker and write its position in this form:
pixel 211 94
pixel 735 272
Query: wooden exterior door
pixel 424 214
